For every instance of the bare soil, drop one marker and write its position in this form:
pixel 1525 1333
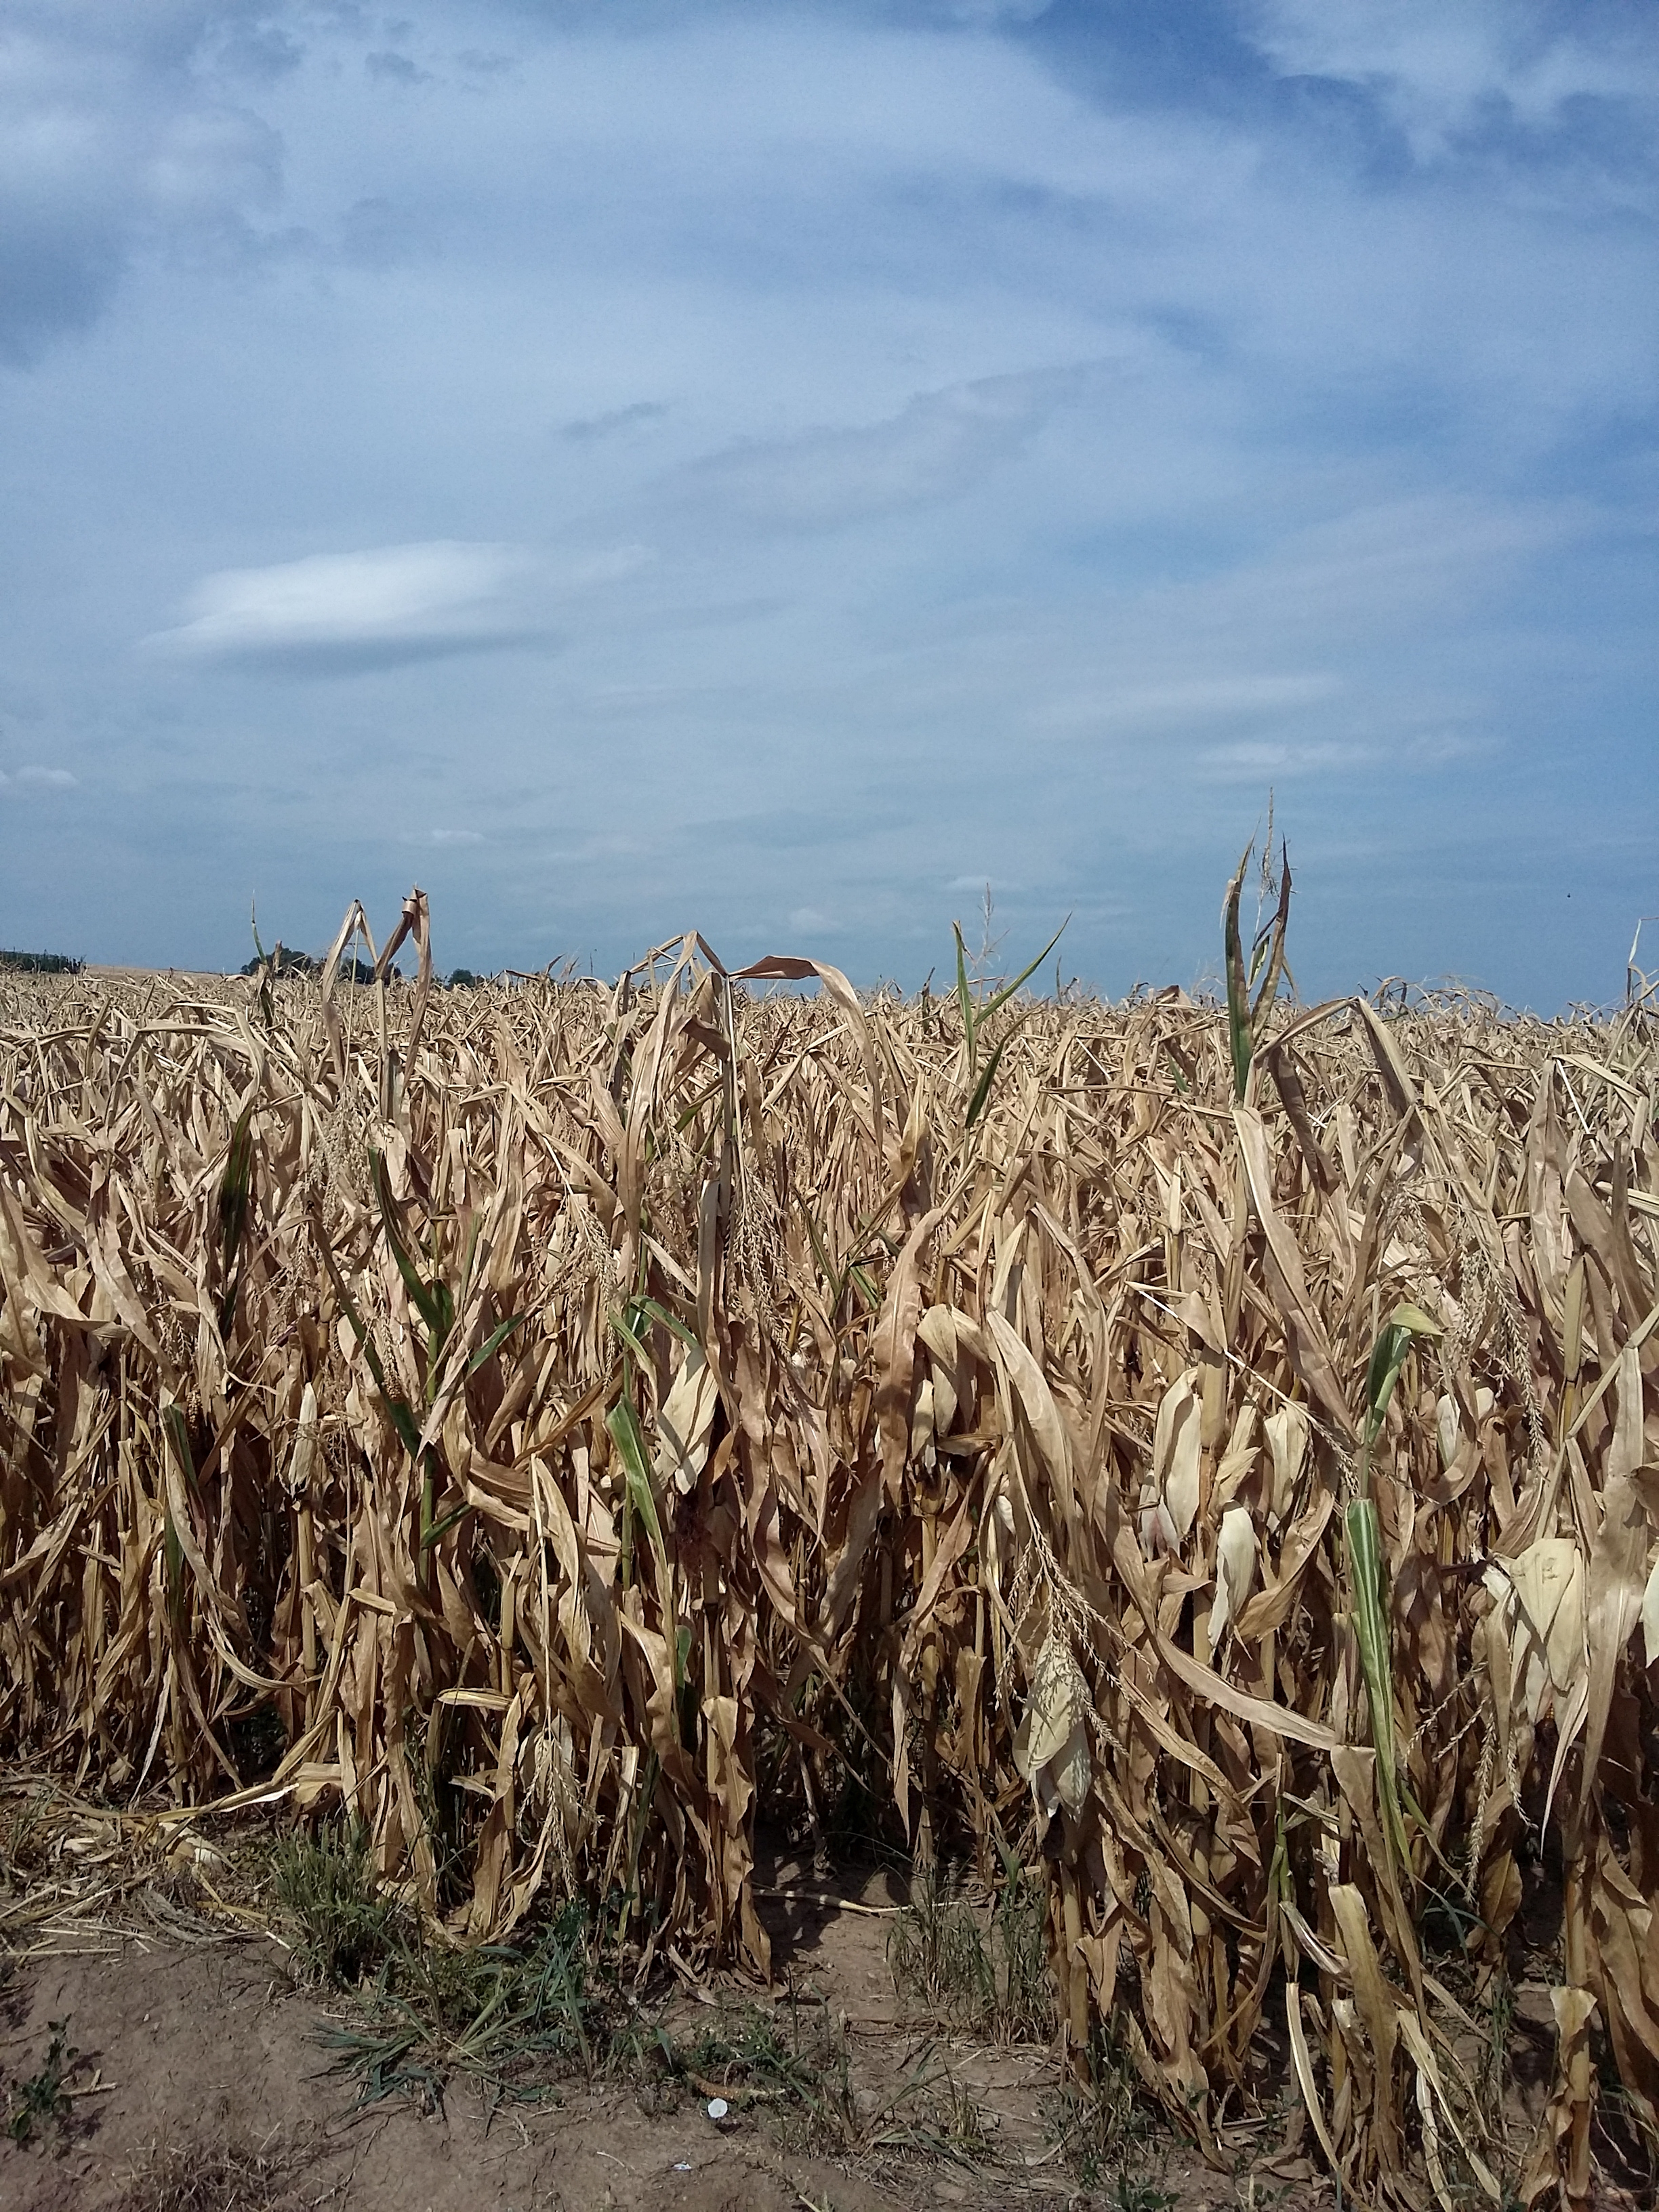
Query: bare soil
pixel 201 2082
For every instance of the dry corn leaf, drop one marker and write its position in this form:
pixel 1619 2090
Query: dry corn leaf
pixel 253 1463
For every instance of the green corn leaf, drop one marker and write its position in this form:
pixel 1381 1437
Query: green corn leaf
pixel 234 1190
pixel 657 1312
pixel 443 1307
pixel 177 1429
pixel 1389 1356
pixel 982 1090
pixel 623 1424
pixel 965 1000
pixel 703 1098
pixel 493 1343
pixel 1024 976
pixel 1270 945
pixel 429 1536
pixel 1238 990
pixel 403 1419
pixel 836 1281
pixel 1370 1621
pixel 626 1327
pixel 473 1235
pixel 431 1300
pixel 234 1186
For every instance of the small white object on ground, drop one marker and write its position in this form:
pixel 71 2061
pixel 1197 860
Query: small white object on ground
pixel 717 2108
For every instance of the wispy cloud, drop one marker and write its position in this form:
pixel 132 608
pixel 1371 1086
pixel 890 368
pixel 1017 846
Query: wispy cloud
pixel 32 779
pixel 638 412
pixel 933 449
pixel 1451 77
pixel 1261 760
pixel 1184 702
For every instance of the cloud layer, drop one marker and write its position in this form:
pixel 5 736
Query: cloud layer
pixel 772 468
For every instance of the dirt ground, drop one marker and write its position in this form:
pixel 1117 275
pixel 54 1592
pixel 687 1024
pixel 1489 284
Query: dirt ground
pixel 193 2044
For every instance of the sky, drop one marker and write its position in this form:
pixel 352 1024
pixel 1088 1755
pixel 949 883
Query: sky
pixel 777 469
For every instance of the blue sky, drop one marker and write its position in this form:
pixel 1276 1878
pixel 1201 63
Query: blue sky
pixel 774 468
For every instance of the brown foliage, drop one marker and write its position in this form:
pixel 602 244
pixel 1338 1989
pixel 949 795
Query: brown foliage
pixel 570 1412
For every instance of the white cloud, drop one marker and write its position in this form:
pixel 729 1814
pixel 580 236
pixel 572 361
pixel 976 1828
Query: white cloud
pixel 397 600
pixel 34 778
pixel 456 836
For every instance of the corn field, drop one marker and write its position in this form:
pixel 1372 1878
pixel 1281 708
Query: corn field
pixel 1209 1454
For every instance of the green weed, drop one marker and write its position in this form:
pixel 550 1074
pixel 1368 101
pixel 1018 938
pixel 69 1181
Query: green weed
pixel 344 1929
pixel 40 2102
pixel 429 2009
pixel 977 1967
pixel 1105 2121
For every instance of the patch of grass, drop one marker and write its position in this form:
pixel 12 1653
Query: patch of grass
pixel 516 2017
pixel 344 1929
pixel 800 2074
pixel 1107 2126
pixel 748 2056
pixel 1494 2077
pixel 977 1966
pixel 932 2115
pixel 508 2014
pixel 39 2103
pixel 1140 2192
pixel 24 1841
pixel 210 2178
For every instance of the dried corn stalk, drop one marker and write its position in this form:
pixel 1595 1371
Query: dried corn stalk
pixel 539 1419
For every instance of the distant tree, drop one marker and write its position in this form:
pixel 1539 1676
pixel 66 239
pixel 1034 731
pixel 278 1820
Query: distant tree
pixel 40 963
pixel 461 979
pixel 282 962
pixel 360 971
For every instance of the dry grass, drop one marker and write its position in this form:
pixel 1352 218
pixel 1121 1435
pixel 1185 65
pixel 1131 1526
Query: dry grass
pixel 533 1421
pixel 218 2177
